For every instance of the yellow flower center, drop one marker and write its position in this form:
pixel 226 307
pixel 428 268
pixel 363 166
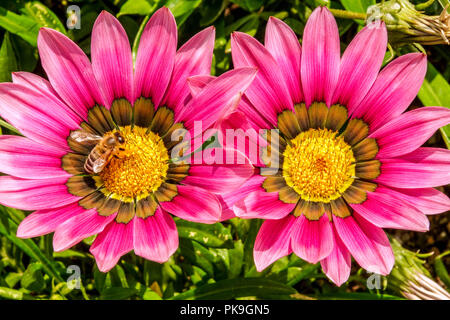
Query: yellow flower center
pixel 140 169
pixel 319 165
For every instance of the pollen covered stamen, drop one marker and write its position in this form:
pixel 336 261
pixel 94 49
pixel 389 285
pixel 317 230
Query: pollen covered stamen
pixel 319 165
pixel 141 169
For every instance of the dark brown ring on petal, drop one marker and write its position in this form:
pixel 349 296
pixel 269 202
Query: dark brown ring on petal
pixel 122 112
pixel 311 210
pixel 301 113
pixel 339 208
pixel 100 119
pixel 356 131
pixel 368 169
pixel 93 201
pixel 108 207
pixel 146 207
pixel 337 117
pixel 170 142
pixel 126 212
pixel 81 186
pixel 288 195
pixel 365 150
pixel 317 113
pixel 276 145
pixel 288 125
pixel 355 195
pixel 73 163
pixel 162 121
pixel 177 172
pixel 364 185
pixel 166 192
pixel 144 111
pixel 274 183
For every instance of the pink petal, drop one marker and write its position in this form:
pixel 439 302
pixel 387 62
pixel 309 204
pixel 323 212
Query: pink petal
pixel 69 71
pixel 239 133
pixel 283 44
pixel 385 210
pixel 193 58
pixel 218 178
pixel 156 56
pixel 111 58
pixel 79 227
pixel 360 65
pixel 254 116
pixel 156 237
pixel 33 81
pixel 194 204
pixel 427 200
pixel 394 89
pixel 45 221
pixel 368 244
pixel 37 116
pixel 409 131
pixel 34 194
pixel 197 83
pixel 423 168
pixel 111 244
pixel 268 91
pixel 262 205
pixel 273 241
pixel 320 57
pixel 217 98
pixel 27 159
pixel 312 240
pixel 337 265
pixel 229 199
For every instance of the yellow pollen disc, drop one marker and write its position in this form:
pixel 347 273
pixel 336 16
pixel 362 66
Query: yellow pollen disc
pixel 140 169
pixel 319 165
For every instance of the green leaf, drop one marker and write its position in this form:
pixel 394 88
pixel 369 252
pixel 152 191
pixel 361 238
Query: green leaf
pixel 33 278
pixel 182 9
pixel 43 15
pixel 12 279
pixel 151 295
pixel 8 61
pixel 27 55
pixel 140 7
pixel 23 26
pixel 212 235
pixel 8 228
pixel 249 5
pixel 212 11
pixel 435 92
pixel 198 255
pixel 440 269
pixel 357 5
pixel 358 296
pixel 11 294
pixel 235 288
pixel 71 254
pixel 236 256
pixel 117 293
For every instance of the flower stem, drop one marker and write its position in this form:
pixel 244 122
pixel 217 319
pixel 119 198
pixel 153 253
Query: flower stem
pixel 348 14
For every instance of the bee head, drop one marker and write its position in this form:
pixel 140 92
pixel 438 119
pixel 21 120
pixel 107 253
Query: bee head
pixel 119 137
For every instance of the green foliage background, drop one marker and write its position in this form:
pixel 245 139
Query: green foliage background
pixel 213 261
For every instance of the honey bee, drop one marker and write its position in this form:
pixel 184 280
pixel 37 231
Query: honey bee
pixel 106 147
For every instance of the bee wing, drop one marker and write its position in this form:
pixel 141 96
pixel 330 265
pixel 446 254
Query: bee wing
pixel 83 136
pixel 101 162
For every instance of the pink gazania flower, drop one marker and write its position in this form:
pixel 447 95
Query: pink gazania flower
pixel 350 161
pixel 69 122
